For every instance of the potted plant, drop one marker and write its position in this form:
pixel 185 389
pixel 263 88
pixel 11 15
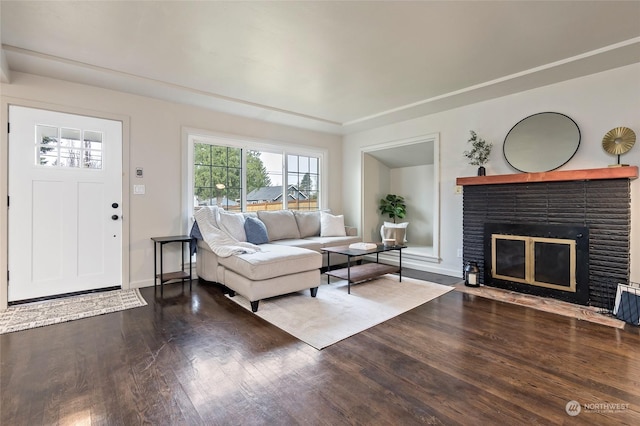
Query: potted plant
pixel 395 207
pixel 479 152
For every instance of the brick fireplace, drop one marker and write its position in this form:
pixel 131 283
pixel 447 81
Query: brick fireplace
pixel 596 202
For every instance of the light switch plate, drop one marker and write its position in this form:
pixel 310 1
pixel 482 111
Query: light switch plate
pixel 138 189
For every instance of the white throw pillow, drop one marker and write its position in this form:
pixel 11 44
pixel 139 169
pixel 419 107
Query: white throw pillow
pixel 212 215
pixel 331 225
pixel 233 224
pixel 394 225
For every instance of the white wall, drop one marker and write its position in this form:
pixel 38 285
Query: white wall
pixel 376 184
pixel 416 185
pixel 156 145
pixel 597 103
pixel 380 180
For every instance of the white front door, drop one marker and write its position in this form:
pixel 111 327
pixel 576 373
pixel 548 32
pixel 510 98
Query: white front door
pixel 65 203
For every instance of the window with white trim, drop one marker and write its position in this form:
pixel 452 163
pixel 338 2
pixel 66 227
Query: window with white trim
pixel 250 176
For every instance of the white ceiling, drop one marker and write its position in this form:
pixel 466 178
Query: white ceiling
pixel 336 67
pixel 407 155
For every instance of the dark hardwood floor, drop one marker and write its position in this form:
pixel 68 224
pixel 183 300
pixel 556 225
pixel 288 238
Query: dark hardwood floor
pixel 199 359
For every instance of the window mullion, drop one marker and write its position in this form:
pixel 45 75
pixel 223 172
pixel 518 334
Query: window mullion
pixel 285 180
pixel 243 179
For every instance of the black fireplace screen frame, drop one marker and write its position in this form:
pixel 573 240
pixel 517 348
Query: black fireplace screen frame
pixel 578 233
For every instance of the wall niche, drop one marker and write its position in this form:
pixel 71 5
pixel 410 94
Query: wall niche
pixel 408 168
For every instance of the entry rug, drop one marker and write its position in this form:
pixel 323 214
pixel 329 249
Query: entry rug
pixel 335 315
pixel 39 314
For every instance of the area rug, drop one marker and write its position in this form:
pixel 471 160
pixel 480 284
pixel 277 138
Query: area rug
pixel 32 315
pixel 584 313
pixel 335 315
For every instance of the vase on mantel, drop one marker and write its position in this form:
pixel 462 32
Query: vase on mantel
pixel 482 171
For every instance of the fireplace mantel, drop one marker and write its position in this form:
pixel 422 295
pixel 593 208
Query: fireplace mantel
pixel 628 172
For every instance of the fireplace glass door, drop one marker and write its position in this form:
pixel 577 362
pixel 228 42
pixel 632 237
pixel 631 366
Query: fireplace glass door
pixel 538 261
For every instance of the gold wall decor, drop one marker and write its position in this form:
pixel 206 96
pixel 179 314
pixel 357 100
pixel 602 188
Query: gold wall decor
pixel 618 141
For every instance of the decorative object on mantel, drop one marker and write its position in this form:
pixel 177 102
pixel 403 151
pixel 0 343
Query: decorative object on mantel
pixel 394 206
pixel 541 142
pixel 471 272
pixel 479 153
pixel 619 141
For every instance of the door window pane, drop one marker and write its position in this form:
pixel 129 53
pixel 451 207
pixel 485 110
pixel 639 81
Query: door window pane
pixel 70 138
pixel 92 159
pixel 46 157
pixel 69 157
pixel 46 145
pixel 67 148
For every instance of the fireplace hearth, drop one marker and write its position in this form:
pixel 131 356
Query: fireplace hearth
pixel 544 259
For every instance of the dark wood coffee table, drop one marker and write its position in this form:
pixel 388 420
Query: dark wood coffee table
pixel 365 271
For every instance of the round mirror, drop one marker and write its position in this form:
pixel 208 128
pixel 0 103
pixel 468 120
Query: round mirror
pixel 541 142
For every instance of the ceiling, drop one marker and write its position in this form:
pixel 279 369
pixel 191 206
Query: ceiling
pixel 406 155
pixel 335 67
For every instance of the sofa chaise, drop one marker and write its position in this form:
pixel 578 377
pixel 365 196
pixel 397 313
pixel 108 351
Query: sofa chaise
pixel 267 253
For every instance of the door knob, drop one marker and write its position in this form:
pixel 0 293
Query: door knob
pixel 114 205
pixel 115 217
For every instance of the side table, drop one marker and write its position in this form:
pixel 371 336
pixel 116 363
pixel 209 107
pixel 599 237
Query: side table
pixel 169 276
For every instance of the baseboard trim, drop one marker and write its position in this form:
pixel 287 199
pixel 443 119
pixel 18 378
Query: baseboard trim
pixel 427 264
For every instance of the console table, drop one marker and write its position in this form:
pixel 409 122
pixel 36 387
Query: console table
pixel 169 276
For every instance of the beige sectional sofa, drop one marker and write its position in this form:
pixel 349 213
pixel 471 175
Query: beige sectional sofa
pixel 287 258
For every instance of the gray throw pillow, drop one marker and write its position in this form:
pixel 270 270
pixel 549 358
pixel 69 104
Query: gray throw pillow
pixel 308 223
pixel 281 224
pixel 255 230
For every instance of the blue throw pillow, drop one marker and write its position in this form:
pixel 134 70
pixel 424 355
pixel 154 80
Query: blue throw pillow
pixel 256 231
